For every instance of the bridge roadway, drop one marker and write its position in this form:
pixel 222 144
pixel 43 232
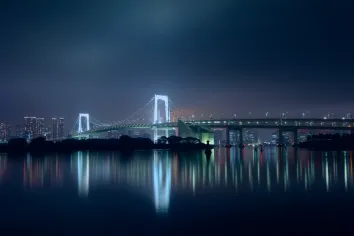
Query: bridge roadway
pixel 239 124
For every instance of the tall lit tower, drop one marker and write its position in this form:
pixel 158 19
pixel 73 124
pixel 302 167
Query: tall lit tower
pixel 57 128
pixel 39 127
pixel 157 118
pixel 164 99
pixel 31 129
pixel 83 117
pixel 5 131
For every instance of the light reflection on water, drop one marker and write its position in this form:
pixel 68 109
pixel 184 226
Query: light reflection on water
pixel 161 174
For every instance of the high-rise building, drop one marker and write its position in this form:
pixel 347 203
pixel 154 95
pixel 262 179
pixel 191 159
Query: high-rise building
pixel 233 137
pixel 40 127
pixel 5 131
pixel 274 138
pixel 47 133
pixel 250 136
pixel 31 128
pixel 20 131
pixel 34 127
pixel 218 136
pixel 288 138
pixel 57 128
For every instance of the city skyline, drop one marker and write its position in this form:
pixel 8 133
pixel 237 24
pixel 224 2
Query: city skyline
pixel 34 127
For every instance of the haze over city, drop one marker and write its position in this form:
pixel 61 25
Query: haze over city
pixel 60 58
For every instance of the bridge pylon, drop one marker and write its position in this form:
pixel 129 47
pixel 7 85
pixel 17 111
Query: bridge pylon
pixel 157 119
pixel 80 123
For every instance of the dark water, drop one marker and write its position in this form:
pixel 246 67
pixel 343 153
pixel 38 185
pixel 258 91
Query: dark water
pixel 158 192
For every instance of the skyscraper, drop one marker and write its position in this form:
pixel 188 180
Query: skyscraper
pixel 33 127
pixel 250 136
pixel 20 131
pixel 40 127
pixel 47 132
pixel 57 128
pixel 5 131
pixel 234 137
pixel 218 136
pixel 275 138
pixel 31 130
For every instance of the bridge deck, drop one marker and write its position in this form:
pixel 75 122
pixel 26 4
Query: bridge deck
pixel 313 123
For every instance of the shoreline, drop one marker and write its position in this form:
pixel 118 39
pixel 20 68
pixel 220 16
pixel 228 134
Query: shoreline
pixel 125 144
pixel 327 145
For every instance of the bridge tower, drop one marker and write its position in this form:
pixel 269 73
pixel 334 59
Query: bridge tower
pixel 163 98
pixel 80 129
pixel 157 119
pixel 80 123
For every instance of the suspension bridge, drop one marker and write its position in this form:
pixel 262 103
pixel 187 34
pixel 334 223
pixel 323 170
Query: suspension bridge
pixel 150 117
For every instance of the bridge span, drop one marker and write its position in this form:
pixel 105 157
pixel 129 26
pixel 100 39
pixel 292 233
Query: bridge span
pixel 283 125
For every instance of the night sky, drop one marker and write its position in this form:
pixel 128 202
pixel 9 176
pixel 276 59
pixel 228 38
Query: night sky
pixel 108 58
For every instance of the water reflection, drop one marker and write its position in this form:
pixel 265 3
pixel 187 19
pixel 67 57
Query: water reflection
pixel 41 171
pixel 162 180
pixel 3 166
pixel 83 173
pixel 161 174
